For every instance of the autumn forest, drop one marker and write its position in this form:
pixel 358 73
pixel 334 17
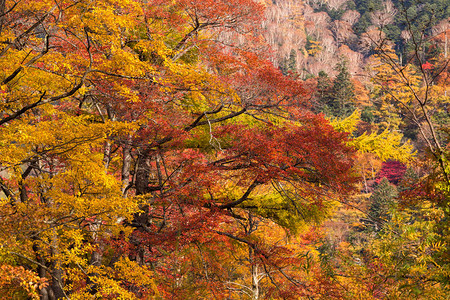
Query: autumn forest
pixel 224 149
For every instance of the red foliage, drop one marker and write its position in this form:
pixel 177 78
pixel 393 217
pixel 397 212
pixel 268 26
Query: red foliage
pixel 427 66
pixel 210 130
pixel 392 170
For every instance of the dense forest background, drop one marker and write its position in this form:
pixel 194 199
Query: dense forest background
pixel 210 149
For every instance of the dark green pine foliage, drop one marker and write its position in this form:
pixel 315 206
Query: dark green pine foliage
pixel 292 61
pixel 336 100
pixel 367 114
pixel 334 14
pixel 288 66
pixel 365 8
pixel 282 65
pixel 409 181
pixel 381 202
pixel 421 14
pixel 343 92
pixel 415 16
pixel 418 17
pixel 323 92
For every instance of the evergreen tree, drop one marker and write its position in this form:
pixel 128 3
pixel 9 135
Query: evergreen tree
pixel 409 180
pixel 289 64
pixel 382 200
pixel 342 92
pixel 292 61
pixel 323 93
pixel 336 100
pixel 282 65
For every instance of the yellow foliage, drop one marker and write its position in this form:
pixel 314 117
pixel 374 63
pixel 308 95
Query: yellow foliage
pixel 315 48
pixel 386 145
pixel 348 124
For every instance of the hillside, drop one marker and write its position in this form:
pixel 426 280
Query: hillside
pixel 312 36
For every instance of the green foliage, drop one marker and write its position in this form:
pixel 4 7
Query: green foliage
pixel 365 8
pixel 292 61
pixel 417 16
pixel 381 203
pixel 335 14
pixel 367 114
pixel 362 24
pixel 342 91
pixel 409 180
pixel 289 65
pixel 421 15
pixel 336 98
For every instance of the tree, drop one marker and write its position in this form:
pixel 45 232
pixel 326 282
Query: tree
pixel 136 133
pixel 389 110
pixel 343 91
pixel 414 98
pixel 381 202
pixel 338 102
pixel 292 62
pixel 393 171
pixel 418 101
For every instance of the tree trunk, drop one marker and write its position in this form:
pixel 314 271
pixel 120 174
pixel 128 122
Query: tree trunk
pixel 126 165
pixel 56 285
pixel 2 11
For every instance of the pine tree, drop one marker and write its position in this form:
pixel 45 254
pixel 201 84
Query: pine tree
pixel 382 200
pixel 342 92
pixel 409 180
pixel 324 85
pixel 336 98
pixel 292 61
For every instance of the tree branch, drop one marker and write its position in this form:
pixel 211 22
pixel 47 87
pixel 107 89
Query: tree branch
pixel 243 198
